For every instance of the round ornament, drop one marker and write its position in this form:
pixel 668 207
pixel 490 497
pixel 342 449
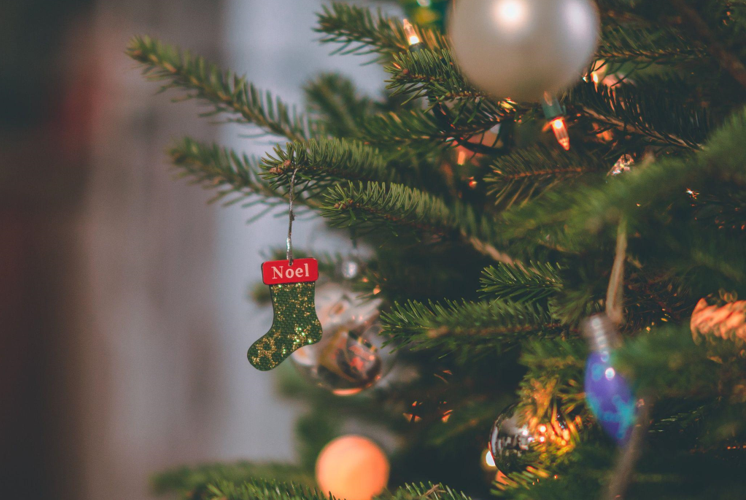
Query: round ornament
pixel 520 49
pixel 516 445
pixel 511 442
pixel 349 358
pixel 353 468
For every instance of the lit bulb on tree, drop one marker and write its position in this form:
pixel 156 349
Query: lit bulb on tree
pixel 412 38
pixel 607 393
pixel 555 115
pixel 353 468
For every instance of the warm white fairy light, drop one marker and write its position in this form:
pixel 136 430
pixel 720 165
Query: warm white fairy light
pixel 560 132
pixel 410 33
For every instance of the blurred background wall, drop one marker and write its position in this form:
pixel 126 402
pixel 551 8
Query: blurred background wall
pixel 124 318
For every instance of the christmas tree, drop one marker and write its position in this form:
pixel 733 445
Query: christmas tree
pixel 569 304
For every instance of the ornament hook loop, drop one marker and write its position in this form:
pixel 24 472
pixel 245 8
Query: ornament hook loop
pixel 291 217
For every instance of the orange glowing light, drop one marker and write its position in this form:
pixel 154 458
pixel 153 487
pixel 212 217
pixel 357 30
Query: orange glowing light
pixel 352 467
pixel 542 428
pixel 560 132
pixel 410 33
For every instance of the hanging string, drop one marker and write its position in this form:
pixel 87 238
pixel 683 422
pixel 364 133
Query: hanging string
pixel 291 217
pixel 630 454
pixel 614 294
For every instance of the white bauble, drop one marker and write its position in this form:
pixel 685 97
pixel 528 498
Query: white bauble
pixel 520 49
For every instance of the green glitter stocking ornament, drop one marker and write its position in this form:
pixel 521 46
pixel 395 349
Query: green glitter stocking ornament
pixel 295 322
pixel 292 284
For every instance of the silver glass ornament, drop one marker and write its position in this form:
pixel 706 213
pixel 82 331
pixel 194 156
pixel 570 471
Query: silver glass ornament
pixel 516 445
pixel 511 442
pixel 520 49
pixel 349 358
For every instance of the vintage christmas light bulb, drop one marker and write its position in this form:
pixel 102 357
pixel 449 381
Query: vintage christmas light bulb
pixel 555 114
pixel 411 34
pixel 608 394
pixel 560 132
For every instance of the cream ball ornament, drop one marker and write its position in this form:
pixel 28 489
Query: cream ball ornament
pixel 520 49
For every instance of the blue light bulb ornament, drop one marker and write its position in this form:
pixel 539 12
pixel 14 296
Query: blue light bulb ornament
pixel 608 394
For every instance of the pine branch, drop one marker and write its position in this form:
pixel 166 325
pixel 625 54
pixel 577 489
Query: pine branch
pixel 405 129
pixel 727 60
pixel 334 101
pixel 425 491
pixel 324 162
pixel 261 489
pixel 430 130
pixel 651 108
pixel 527 173
pixel 667 363
pixel 224 169
pixel 467 328
pixel 227 92
pixel 622 43
pixel 434 74
pixel 374 206
pixel 644 196
pixel 557 367
pixel 192 482
pixel 359 31
pixel 536 282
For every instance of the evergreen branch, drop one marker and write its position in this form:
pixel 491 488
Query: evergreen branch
pixel 192 482
pixel 467 328
pixel 727 60
pixel 660 45
pixel 334 101
pixel 538 281
pixel 424 491
pixel 373 206
pixel 262 489
pixel 412 73
pixel 556 366
pixel 667 363
pixel 324 162
pixel 222 168
pixel 362 32
pixel 424 129
pixel 227 92
pixel 641 195
pixel 527 173
pixel 652 108
pixel 405 127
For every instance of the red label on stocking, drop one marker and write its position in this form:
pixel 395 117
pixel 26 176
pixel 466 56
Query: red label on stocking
pixel 276 272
